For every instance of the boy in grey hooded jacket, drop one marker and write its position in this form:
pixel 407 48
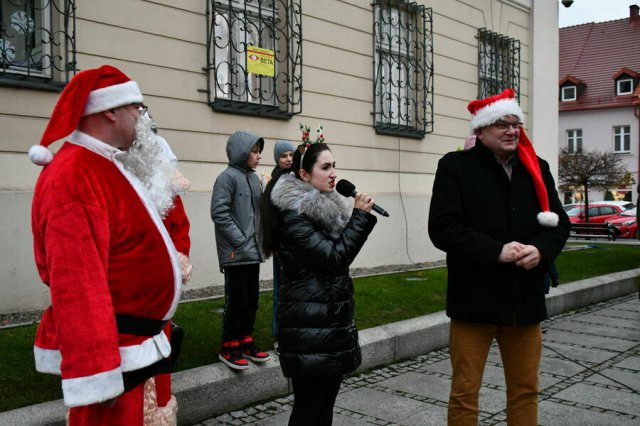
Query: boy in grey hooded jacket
pixel 235 211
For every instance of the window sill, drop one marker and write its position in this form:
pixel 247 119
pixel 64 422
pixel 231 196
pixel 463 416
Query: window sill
pixel 31 83
pixel 399 130
pixel 248 108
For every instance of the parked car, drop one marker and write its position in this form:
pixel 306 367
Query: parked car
pixel 625 223
pixel 625 205
pixel 598 212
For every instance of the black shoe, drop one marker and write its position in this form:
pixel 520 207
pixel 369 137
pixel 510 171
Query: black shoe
pixel 249 350
pixel 230 355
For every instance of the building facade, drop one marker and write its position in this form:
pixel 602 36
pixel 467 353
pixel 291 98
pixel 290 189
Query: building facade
pixel 389 80
pixel 599 99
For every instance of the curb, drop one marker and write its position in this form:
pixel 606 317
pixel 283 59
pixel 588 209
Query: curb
pixel 204 392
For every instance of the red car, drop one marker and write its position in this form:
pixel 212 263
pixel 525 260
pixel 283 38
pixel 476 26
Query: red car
pixel 598 213
pixel 625 224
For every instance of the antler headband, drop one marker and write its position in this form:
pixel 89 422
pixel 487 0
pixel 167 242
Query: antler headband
pixel 306 142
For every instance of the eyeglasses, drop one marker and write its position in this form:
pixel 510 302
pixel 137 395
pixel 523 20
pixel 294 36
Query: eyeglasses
pixel 142 108
pixel 504 125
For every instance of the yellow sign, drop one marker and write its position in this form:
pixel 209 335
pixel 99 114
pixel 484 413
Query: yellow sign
pixel 260 61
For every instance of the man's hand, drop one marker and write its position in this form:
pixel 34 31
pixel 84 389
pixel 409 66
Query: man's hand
pixel 529 257
pixel 510 252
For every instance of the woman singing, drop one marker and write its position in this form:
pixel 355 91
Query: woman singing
pixel 316 234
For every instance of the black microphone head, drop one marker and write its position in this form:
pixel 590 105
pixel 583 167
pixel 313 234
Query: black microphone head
pixel 345 188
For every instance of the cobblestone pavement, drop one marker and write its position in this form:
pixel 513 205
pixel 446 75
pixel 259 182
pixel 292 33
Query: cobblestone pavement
pixel 589 375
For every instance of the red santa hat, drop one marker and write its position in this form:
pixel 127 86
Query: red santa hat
pixel 89 92
pixel 486 112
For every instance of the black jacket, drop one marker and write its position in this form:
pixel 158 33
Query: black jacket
pixel 320 234
pixel 475 210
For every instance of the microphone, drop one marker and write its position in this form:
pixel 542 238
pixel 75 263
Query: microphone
pixel 347 189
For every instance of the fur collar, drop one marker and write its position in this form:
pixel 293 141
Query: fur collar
pixel 330 210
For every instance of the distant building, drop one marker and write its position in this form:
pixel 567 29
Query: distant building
pixel 599 100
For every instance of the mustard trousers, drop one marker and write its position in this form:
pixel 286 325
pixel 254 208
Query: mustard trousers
pixel 520 350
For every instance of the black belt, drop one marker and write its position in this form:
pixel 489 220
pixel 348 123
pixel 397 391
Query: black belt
pixel 134 378
pixel 139 326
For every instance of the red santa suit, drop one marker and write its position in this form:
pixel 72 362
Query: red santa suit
pixel 114 277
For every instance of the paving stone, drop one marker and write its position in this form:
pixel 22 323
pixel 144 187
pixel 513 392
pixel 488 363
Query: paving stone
pixel 348 420
pixel 618 378
pixel 623 402
pixel 577 353
pixel 381 405
pixel 553 414
pixel 590 341
pixel 616 313
pixel 560 366
pixel 632 363
pixel 596 318
pixel 435 415
pixel 420 384
pixel 277 420
pixel 589 328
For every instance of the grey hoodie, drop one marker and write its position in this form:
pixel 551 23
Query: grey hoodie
pixel 235 205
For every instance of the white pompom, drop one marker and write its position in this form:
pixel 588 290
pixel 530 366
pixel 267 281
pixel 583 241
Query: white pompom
pixel 40 155
pixel 548 219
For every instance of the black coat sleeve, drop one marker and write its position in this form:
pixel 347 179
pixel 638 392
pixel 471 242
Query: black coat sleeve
pixel 448 229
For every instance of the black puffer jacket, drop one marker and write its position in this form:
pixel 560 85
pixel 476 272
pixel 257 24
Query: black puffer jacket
pixel 320 235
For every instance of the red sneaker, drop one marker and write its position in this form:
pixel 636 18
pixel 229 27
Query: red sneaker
pixel 249 350
pixel 230 355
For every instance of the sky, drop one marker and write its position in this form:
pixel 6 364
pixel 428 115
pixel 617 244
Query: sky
pixel 583 11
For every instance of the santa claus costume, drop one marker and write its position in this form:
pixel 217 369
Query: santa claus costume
pixel 110 264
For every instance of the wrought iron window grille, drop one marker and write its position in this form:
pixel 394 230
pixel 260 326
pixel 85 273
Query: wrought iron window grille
pixel 498 63
pixel 37 43
pixel 236 26
pixel 403 68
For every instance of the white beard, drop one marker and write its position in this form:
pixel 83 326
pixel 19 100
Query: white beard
pixel 147 160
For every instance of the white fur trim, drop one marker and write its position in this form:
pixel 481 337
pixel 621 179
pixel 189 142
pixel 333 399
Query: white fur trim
pixel 148 352
pixel 132 357
pixel 47 360
pixel 92 389
pixel 548 219
pixel 93 144
pixel 40 155
pixel 110 152
pixel 112 97
pixel 494 112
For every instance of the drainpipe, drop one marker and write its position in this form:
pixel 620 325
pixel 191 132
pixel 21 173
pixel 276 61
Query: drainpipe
pixel 636 111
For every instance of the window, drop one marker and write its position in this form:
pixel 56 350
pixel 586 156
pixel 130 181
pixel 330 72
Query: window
pixel 403 68
pixel 254 57
pixel 607 210
pixel 624 86
pixel 37 42
pixel 622 139
pixel 568 93
pixel 498 63
pixel 574 141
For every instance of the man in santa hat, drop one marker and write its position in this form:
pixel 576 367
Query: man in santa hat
pixel 496 213
pixel 102 249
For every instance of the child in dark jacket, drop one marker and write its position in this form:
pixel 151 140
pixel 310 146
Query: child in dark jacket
pixel 235 211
